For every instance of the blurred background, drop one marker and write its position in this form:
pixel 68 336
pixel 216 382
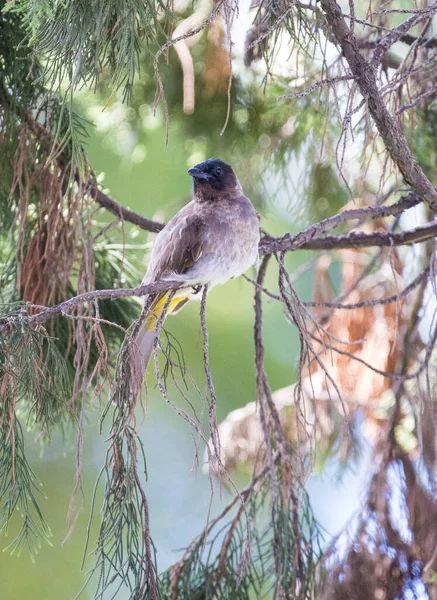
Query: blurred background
pixel 284 155
pixel 126 147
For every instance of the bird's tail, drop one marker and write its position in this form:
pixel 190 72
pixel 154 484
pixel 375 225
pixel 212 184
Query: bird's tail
pixel 143 346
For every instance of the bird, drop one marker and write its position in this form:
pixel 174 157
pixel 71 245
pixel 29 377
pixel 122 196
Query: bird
pixel 210 240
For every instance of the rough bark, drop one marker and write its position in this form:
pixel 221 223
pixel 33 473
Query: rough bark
pixel 365 76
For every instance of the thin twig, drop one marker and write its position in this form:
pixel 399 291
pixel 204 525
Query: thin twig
pixel 377 239
pixel 48 313
pixel 397 33
pixel 365 77
pixel 213 398
pixel 122 212
pixel 405 292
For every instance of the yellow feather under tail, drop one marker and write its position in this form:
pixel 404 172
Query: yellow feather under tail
pixel 173 307
pixel 144 342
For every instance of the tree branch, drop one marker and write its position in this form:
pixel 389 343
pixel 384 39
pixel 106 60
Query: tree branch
pixel 301 240
pixel 397 33
pixel 269 245
pixel 305 240
pixel 122 212
pixel 369 212
pixel 7 323
pixel 405 39
pixel 365 77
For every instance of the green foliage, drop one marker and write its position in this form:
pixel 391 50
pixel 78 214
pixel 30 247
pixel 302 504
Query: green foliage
pixel 48 50
pixel 43 168
pixel 424 141
pixel 325 194
pixel 34 376
pixel 124 552
pixel 14 90
pixel 110 37
pixel 239 562
pixel 116 315
pixel 24 97
pixel 18 491
pixel 35 387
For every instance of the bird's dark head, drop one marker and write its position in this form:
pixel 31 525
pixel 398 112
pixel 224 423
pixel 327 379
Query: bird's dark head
pixel 212 178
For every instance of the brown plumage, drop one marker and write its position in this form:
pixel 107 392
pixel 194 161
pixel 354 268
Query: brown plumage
pixel 210 240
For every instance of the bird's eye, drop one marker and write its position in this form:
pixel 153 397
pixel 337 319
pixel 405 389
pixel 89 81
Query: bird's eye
pixel 218 171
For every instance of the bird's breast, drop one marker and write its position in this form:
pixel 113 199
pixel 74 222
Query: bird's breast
pixel 233 243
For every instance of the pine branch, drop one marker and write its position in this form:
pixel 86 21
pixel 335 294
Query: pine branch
pixel 371 212
pixel 376 239
pixel 365 77
pixel 408 39
pixel 397 33
pixel 305 240
pixel 122 212
pixel 8 323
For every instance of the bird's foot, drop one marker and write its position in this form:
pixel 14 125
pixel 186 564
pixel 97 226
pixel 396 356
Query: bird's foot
pixel 196 288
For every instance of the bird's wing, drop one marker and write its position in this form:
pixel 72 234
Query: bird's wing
pixel 178 246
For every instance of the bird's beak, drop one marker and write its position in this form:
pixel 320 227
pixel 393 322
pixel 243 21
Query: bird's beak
pixel 198 174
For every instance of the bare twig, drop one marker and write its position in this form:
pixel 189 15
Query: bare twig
pixel 328 82
pixel 395 298
pixel 370 212
pixel 269 245
pixel 260 375
pixel 213 399
pixel 121 211
pixel 305 239
pixel 397 33
pixel 389 129
pixel 406 39
pixel 48 313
